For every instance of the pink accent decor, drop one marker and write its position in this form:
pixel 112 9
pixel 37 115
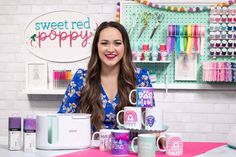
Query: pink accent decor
pixel 190 149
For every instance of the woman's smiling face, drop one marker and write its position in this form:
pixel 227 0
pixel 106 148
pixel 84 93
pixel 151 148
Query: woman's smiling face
pixel 110 47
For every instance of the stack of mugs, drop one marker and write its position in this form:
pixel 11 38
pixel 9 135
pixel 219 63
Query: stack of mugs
pixel 144 115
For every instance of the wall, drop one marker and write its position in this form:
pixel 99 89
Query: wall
pixel 199 115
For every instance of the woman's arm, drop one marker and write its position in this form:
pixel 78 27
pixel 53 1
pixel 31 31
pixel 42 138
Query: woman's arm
pixel 72 95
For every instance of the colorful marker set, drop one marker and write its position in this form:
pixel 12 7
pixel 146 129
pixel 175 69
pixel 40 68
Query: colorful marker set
pixel 61 78
pixel 219 71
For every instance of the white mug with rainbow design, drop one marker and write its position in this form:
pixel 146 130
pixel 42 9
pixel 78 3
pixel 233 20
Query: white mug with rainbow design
pixel 132 118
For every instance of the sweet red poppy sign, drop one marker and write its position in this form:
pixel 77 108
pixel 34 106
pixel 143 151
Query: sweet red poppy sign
pixel 61 36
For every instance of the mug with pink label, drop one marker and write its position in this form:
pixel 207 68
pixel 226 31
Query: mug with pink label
pixel 120 142
pixel 104 139
pixel 132 117
pixel 144 97
pixel 173 144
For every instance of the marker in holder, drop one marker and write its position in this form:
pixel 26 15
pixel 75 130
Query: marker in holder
pixel 61 78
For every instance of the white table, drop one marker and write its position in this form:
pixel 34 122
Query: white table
pixel 4 152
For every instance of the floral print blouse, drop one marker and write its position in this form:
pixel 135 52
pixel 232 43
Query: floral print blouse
pixel 72 96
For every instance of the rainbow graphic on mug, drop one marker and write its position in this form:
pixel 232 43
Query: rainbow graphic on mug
pixel 130 117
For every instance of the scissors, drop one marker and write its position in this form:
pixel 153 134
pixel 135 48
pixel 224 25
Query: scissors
pixel 159 18
pixel 134 22
pixel 145 19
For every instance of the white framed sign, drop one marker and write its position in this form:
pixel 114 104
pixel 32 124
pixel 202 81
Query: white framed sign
pixel 186 67
pixel 36 76
pixel 61 36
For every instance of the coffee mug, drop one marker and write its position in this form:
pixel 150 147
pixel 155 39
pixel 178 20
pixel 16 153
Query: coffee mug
pixel 132 118
pixel 119 142
pixel 146 145
pixel 144 97
pixel 173 144
pixel 153 118
pixel 104 139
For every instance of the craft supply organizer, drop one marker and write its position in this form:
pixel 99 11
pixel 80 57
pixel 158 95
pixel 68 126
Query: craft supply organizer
pixel 165 72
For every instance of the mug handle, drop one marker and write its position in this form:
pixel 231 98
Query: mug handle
pixel 117 117
pixel 130 94
pixel 143 118
pixel 93 136
pixel 132 145
pixel 158 148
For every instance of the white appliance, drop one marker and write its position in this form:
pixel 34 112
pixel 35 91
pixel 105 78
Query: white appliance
pixel 231 139
pixel 63 131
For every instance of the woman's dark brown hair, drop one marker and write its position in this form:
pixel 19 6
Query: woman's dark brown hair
pixel 90 101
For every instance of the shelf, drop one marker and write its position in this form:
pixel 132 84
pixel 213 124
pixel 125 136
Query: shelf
pixel 170 86
pixel 164 129
pixel 167 62
pixel 45 91
pixel 192 86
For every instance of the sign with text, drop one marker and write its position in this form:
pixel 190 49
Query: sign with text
pixel 61 36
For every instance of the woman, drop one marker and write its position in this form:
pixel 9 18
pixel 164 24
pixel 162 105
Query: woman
pixel 103 89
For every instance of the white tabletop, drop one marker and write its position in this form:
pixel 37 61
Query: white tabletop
pixel 4 152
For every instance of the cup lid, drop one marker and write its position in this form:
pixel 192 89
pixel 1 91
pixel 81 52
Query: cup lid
pixel 145 47
pixel 29 124
pixel 14 122
pixel 162 47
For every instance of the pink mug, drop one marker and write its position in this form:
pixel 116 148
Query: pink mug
pixel 173 144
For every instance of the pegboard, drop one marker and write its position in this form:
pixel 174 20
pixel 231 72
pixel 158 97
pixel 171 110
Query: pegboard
pixel 166 72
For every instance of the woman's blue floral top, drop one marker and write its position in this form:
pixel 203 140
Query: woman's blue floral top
pixel 72 95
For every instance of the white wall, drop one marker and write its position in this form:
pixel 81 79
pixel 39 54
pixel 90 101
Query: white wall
pixel 199 115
